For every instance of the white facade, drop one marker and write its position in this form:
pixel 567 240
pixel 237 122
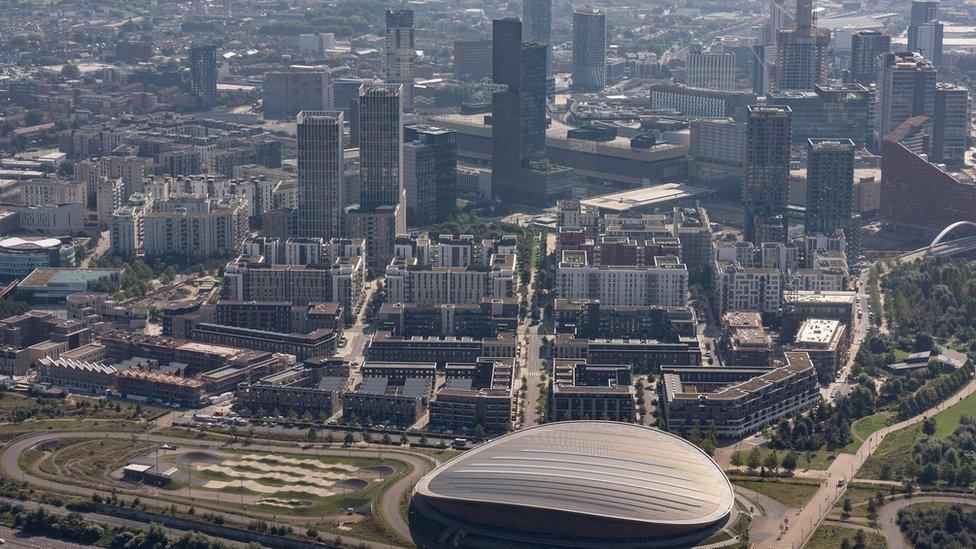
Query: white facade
pixel 659 285
pixel 711 70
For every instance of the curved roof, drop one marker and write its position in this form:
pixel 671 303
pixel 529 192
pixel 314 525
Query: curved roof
pixel 29 243
pixel 604 469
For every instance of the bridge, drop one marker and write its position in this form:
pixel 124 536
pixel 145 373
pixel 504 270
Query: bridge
pixel 938 248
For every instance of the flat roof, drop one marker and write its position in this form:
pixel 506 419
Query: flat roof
pixel 645 196
pixel 603 469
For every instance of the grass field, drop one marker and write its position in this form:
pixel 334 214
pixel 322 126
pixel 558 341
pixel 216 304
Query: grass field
pixel 894 451
pixel 792 493
pixel 92 460
pixel 864 427
pixel 947 421
pixel 828 536
pixel 859 494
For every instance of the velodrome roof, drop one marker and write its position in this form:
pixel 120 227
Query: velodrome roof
pixel 611 470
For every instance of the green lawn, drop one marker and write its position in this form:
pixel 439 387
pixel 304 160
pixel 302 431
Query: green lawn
pixel 792 493
pixel 948 420
pixel 864 427
pixel 859 494
pixel 900 355
pixel 894 451
pixel 829 536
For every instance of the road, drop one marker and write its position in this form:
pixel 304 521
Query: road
pixel 389 509
pixel 845 467
pixel 888 515
pixel 862 323
pixel 530 341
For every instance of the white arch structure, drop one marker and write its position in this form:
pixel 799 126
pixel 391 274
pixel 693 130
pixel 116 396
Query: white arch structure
pixel 946 231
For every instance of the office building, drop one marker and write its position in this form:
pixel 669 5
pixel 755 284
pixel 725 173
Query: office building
pixel 765 186
pixel 741 409
pixel 401 53
pixel 589 49
pixel 537 27
pixel 950 125
pixel 801 52
pixel 520 174
pixel 472 60
pixel 321 179
pixel 710 70
pixel 906 88
pixel 698 102
pixel 429 174
pixel 203 75
pixel 867 47
pixel 830 185
pixel 287 93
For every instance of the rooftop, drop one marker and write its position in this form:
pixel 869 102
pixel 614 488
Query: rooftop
pixel 644 197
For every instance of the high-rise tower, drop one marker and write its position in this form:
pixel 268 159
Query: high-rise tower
pixel 321 186
pixel 537 29
pixel 801 53
pixel 401 52
pixel 589 49
pixel 765 186
pixel 203 74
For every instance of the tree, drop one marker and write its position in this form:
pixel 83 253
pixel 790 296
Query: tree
pixel 790 461
pixel 736 459
pixel 423 440
pixel 860 540
pixel 386 439
pixel 771 461
pixel 329 438
pixel 349 439
pixel 367 437
pixel 70 72
pixel 872 509
pixel 755 459
pixel 846 508
pixel 929 426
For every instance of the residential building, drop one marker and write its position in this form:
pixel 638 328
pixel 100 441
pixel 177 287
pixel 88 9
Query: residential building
pixel 825 342
pixel 168 388
pixel 925 31
pixel 400 53
pixel 717 152
pixel 321 177
pixel 591 319
pixel 486 319
pixel 429 174
pixel 802 52
pixel 643 355
pixel 300 390
pixel 203 75
pixel 582 391
pixel 194 226
pixel 377 400
pixel 830 187
pixel 475 395
pixel 340 281
pixel 906 88
pixel 287 93
pixel 741 409
pixel 537 28
pixel 765 187
pixel 867 47
pixel 950 124
pixel 589 49
pixel 664 282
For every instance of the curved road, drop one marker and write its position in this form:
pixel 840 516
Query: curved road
pixel 389 507
pixel 888 515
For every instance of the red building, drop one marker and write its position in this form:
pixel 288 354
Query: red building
pixel 917 197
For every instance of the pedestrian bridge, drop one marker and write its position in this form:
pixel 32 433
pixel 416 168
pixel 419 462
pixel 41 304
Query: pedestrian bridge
pixel 938 248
